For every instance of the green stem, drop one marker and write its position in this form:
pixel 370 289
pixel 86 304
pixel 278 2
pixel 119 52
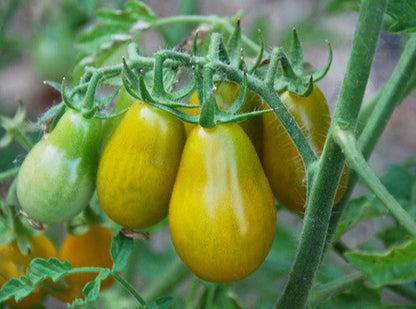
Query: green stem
pixel 391 97
pixel 329 290
pixel 347 141
pixel 23 140
pixel 324 186
pixel 272 99
pixel 129 288
pixel 170 277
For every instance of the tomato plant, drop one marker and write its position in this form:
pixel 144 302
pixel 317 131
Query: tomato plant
pixel 168 168
pixel 130 187
pixel 224 208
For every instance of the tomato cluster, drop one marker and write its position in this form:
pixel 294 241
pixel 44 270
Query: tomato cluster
pixel 218 185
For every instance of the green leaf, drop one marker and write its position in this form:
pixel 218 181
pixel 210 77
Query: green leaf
pixel 82 303
pixel 361 297
pixel 402 13
pixel 359 210
pixel 121 249
pixel 92 288
pixel 395 266
pixel 114 27
pixel 17 288
pixel 52 268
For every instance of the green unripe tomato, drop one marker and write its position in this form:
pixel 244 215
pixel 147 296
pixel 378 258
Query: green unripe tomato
pixel 57 178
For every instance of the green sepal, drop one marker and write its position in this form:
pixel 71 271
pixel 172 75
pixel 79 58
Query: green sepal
pixel 217 50
pixel 234 45
pixel 259 57
pixel 239 102
pixel 293 74
pixel 66 99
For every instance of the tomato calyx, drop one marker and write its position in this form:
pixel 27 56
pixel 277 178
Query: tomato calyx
pixel 292 74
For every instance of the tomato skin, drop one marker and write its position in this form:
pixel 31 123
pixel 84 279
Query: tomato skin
pixel 40 246
pixel 138 167
pixel 13 265
pixel 124 101
pixel 225 95
pixel 90 249
pixel 222 215
pixel 281 160
pixel 57 178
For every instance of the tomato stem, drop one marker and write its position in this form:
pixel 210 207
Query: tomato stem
pixel 379 108
pixel 128 287
pixel 348 143
pixel 331 164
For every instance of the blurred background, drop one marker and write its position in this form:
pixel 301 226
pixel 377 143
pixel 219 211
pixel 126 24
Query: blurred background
pixel 38 42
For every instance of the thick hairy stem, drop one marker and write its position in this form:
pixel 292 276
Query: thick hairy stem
pixel 381 108
pixel 346 140
pixel 324 186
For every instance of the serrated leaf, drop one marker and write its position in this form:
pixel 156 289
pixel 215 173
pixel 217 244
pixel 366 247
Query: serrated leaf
pixel 102 37
pixel 115 18
pixel 163 302
pixel 82 303
pixel 395 266
pixel 15 287
pixel 121 249
pixel 141 9
pixel 115 26
pixel 52 268
pixel 92 288
pixel 403 14
pixel 359 210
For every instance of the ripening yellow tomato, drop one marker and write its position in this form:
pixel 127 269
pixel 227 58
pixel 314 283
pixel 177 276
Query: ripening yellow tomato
pixel 281 160
pixel 222 215
pixel 138 167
